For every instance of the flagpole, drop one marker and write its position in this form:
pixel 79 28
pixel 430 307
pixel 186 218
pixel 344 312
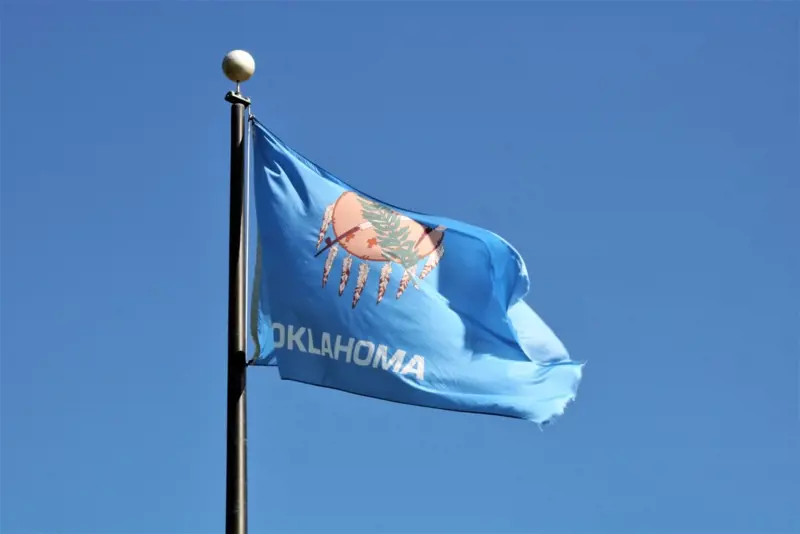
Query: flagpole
pixel 238 66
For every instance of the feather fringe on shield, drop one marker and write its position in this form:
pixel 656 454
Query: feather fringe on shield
pixel 363 271
pixel 346 263
pixel 326 221
pixel 404 281
pixel 432 262
pixel 386 272
pixel 329 263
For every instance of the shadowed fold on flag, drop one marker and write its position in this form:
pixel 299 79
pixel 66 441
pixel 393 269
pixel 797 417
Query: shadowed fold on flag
pixel 358 295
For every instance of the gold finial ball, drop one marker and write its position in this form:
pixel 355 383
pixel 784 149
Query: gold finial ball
pixel 238 66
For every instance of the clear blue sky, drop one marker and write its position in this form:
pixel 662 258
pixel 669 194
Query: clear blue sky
pixel 642 158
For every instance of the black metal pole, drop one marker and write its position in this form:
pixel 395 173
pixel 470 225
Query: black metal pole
pixel 236 469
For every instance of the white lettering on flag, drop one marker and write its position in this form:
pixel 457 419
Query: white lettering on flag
pixel 281 335
pixel 294 338
pixel 363 359
pixel 311 348
pixel 348 349
pixel 326 345
pixel 359 351
pixel 396 360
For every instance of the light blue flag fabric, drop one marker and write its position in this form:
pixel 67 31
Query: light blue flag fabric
pixel 357 295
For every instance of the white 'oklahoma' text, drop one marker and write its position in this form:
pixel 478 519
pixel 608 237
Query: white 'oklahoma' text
pixel 351 350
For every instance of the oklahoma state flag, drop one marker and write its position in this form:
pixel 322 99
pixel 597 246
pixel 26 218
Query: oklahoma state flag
pixel 357 295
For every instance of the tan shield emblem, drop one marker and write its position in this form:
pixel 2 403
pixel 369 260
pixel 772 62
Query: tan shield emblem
pixel 371 233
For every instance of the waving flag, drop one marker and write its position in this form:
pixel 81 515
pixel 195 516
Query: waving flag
pixel 357 295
